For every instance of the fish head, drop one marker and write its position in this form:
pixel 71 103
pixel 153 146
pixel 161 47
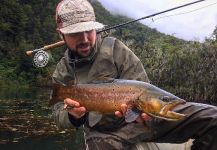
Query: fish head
pixel 159 103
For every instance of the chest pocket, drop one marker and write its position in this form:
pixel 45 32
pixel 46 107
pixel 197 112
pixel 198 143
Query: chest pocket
pixel 104 64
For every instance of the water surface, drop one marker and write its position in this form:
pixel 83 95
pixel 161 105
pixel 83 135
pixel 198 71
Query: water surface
pixel 26 123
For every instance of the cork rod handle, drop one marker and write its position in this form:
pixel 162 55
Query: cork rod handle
pixel 46 47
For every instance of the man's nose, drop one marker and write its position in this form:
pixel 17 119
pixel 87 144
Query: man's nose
pixel 84 36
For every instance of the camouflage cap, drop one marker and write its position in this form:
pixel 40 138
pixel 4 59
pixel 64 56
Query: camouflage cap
pixel 74 16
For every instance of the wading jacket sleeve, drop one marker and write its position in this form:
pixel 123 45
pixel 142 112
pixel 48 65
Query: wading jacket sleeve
pixel 110 58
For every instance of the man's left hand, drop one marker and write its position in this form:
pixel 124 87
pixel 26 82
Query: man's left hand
pixel 142 118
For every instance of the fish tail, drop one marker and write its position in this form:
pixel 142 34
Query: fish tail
pixel 54 94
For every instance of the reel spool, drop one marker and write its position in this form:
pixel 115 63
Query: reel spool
pixel 41 59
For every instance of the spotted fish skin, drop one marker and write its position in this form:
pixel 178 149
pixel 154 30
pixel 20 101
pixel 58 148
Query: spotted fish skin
pixel 107 98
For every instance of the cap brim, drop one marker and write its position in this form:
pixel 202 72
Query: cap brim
pixel 81 27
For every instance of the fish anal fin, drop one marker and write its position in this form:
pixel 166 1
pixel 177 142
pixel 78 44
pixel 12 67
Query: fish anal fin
pixel 93 118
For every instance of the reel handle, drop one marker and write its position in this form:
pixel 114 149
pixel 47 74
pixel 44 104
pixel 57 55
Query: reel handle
pixel 29 53
pixel 46 47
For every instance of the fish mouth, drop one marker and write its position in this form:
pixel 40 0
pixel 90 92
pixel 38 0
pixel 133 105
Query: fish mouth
pixel 167 111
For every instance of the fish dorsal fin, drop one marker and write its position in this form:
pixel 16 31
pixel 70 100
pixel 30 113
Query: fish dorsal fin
pixel 103 79
pixel 93 118
pixel 56 82
pixel 131 115
pixel 71 82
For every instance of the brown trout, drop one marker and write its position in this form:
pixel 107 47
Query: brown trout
pixel 107 98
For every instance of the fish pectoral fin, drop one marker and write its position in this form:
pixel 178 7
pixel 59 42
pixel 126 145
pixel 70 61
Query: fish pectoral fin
pixel 131 115
pixel 93 118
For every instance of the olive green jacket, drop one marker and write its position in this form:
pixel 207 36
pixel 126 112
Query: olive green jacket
pixel 110 58
pixel 113 59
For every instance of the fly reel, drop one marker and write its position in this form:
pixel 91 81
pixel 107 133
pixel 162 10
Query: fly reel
pixel 41 59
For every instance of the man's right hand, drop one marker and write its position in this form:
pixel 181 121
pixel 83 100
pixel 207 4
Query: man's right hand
pixel 76 110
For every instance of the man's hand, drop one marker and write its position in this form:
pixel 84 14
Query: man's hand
pixel 143 117
pixel 74 108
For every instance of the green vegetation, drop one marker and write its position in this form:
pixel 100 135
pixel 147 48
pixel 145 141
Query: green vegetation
pixel 24 25
pixel 185 68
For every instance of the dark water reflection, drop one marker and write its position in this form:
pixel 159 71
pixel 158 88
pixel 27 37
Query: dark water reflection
pixel 25 122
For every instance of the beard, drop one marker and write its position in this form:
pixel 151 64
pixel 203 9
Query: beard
pixel 78 54
pixel 84 49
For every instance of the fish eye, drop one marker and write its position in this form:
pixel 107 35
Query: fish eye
pixel 166 98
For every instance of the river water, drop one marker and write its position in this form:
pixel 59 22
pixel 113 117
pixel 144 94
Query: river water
pixel 26 123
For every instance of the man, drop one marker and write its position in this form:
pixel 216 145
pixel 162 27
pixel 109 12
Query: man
pixel 89 57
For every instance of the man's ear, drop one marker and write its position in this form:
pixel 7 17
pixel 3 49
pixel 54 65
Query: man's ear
pixel 60 33
pixel 58 30
pixel 61 36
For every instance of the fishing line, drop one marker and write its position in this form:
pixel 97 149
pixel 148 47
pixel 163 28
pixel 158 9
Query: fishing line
pixel 85 140
pixel 178 14
pixel 149 16
pixel 75 76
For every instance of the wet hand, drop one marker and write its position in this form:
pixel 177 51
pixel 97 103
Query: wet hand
pixel 74 108
pixel 142 118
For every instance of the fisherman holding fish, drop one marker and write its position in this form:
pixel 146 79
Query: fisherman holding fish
pixel 105 71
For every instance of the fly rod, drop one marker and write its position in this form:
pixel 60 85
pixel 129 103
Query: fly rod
pixel 61 43
pixel 41 57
